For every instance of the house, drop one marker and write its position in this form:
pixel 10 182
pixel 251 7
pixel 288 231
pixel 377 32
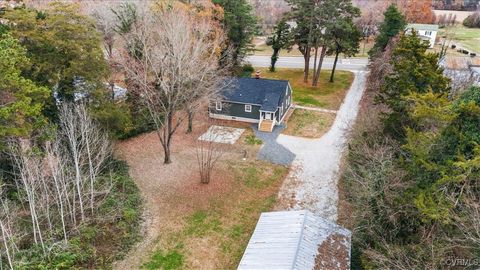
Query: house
pixel 427 32
pixel 297 240
pixel 254 100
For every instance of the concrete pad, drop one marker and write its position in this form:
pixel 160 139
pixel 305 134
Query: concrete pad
pixel 220 134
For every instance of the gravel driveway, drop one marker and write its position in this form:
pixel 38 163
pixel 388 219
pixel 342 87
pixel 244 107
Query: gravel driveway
pixel 313 182
pixel 271 150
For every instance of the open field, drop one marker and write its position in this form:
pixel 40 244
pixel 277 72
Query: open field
pixel 192 225
pixel 326 95
pixel 309 124
pixel 468 38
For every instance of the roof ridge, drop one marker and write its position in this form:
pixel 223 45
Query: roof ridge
pixel 300 238
pixel 265 79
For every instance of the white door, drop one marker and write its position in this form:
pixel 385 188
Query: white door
pixel 268 116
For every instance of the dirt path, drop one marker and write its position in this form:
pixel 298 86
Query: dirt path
pixel 313 182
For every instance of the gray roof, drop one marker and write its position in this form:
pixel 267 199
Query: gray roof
pixel 297 240
pixel 426 27
pixel 268 94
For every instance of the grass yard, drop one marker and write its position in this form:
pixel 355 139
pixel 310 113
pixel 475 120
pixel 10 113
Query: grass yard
pixel 190 225
pixel 215 235
pixel 326 95
pixel 309 124
pixel 469 38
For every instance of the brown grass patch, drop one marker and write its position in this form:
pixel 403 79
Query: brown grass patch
pixel 309 124
pixel 193 225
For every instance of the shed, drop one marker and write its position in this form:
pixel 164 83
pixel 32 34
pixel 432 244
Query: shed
pixel 297 240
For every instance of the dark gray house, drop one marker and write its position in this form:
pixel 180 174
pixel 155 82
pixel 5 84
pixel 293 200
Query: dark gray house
pixel 253 100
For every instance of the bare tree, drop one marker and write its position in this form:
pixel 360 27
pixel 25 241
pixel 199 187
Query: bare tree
pixel 88 145
pixel 172 61
pixel 209 149
pixel 8 236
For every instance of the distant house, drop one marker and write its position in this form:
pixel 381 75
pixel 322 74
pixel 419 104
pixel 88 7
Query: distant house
pixel 297 240
pixel 254 100
pixel 427 32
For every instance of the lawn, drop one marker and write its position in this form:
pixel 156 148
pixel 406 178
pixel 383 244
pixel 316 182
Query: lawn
pixel 469 38
pixel 326 95
pixel 219 231
pixel 192 225
pixel 309 124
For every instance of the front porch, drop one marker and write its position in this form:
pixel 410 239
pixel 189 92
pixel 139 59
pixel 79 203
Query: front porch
pixel 267 121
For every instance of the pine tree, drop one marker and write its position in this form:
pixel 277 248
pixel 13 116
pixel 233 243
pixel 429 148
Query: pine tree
pixel 393 24
pixel 240 25
pixel 281 39
pixel 414 71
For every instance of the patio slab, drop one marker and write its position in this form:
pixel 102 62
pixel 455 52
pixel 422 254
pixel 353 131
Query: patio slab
pixel 221 134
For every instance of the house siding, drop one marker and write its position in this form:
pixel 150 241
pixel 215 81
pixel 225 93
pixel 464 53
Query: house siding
pixel 237 110
pixel 284 104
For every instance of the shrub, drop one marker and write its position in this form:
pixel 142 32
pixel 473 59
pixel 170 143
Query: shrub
pixel 252 140
pixel 472 21
pixel 248 68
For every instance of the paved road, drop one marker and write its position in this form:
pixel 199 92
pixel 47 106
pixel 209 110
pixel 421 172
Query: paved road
pixel 298 62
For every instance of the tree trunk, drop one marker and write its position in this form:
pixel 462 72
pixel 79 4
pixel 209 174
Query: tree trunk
pixel 274 59
pixel 315 61
pixel 319 68
pixel 334 66
pixel 167 139
pixel 306 56
pixel 166 150
pixel 190 121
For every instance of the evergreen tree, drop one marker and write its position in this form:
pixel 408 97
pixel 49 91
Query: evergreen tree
pixel 414 71
pixel 21 101
pixel 240 25
pixel 344 38
pixel 393 24
pixel 281 39
pixel 64 49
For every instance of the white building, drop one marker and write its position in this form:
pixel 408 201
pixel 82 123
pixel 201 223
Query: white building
pixel 427 32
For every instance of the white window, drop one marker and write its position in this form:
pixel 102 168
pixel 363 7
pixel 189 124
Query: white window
pixel 248 108
pixel 218 105
pixel 428 33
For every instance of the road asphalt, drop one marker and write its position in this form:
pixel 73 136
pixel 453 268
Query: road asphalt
pixel 354 64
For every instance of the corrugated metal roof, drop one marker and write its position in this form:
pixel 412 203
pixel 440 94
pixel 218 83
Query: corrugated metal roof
pixel 291 240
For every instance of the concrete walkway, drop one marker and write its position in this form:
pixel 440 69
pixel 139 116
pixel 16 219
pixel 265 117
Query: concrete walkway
pixel 313 182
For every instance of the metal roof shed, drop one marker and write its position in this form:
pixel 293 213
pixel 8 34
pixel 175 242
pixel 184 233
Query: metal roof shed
pixel 297 240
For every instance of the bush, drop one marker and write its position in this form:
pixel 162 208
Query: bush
pixel 252 140
pixel 245 71
pixel 472 21
pixel 115 118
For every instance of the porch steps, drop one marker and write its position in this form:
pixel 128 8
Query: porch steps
pixel 266 125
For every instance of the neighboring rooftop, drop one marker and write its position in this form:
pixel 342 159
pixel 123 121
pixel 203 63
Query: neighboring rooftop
pixel 266 93
pixel 297 240
pixel 426 27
